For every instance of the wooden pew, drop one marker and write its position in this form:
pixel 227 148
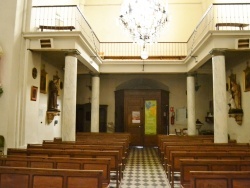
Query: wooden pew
pixel 91 142
pixel 72 146
pixel 94 143
pixel 190 141
pixel 202 147
pixel 115 161
pixel 220 179
pixel 197 148
pixel 164 139
pixel 61 163
pixel 105 135
pixel 20 177
pixel 177 156
pixel 188 165
pixel 113 137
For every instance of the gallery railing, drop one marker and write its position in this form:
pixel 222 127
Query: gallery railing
pixel 63 18
pixel 220 16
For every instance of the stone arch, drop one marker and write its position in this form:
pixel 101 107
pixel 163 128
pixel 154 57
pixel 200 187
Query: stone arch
pixel 142 83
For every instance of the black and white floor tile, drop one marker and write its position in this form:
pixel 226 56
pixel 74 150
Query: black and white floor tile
pixel 144 170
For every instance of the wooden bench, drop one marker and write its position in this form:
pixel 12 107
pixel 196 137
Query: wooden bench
pixel 115 161
pixel 42 27
pixel 105 137
pixel 202 147
pixel 182 142
pixel 188 165
pixel 72 146
pixel 175 166
pixel 240 25
pixel 94 143
pixel 220 179
pixel 20 177
pixel 162 139
pixel 197 148
pixel 102 164
pixel 110 135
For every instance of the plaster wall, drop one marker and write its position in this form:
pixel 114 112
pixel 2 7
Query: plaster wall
pixel 11 66
pixel 52 129
pixel 107 16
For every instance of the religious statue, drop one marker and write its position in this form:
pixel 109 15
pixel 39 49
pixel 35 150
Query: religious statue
pixel 53 93
pixel 236 94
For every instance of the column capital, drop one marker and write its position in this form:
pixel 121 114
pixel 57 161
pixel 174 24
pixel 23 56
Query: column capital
pixel 95 75
pixel 71 52
pixel 191 74
pixel 218 51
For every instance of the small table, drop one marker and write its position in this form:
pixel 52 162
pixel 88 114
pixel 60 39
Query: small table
pixel 240 25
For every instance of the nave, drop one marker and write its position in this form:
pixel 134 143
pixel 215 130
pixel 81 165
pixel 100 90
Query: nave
pixel 144 170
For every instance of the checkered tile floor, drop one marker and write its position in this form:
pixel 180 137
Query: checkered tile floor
pixel 144 170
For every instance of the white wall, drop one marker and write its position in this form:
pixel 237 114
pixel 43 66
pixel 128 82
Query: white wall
pixel 11 66
pixel 184 16
pixel 36 128
pixel 177 95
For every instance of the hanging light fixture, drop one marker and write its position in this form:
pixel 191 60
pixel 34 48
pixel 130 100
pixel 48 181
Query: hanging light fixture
pixel 143 19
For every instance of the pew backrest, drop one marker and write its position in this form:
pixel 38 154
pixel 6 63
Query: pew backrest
pixel 60 163
pixel 222 179
pixel 210 165
pixel 20 177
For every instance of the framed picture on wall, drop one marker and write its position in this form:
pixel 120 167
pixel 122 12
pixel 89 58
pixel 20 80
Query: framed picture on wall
pixel 246 79
pixel 33 93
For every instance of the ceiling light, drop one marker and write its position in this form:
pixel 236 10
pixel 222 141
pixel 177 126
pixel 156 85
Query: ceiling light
pixel 143 19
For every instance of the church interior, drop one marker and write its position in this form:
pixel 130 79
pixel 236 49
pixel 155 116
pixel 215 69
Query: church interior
pixel 92 97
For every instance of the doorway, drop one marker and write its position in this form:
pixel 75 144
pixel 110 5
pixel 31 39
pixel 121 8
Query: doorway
pixel 142 113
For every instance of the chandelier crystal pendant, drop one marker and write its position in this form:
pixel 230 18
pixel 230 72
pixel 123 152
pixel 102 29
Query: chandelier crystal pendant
pixel 144 19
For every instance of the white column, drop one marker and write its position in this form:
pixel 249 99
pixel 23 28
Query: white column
pixel 95 103
pixel 69 98
pixel 191 105
pixel 219 97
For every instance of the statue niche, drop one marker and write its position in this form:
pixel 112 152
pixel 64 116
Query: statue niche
pixel 54 87
pixel 235 109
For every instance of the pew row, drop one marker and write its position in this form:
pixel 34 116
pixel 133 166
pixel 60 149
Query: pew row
pixel 188 165
pixel 220 179
pixel 115 162
pixel 102 164
pixel 72 146
pixel 92 142
pixel 163 139
pixel 21 177
pixel 171 166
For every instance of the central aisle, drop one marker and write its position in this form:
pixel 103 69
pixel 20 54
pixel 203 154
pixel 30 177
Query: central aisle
pixel 144 170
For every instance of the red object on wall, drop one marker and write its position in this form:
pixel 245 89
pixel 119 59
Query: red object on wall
pixel 171 109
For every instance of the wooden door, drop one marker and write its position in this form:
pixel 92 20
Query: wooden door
pixel 130 104
pixel 135 120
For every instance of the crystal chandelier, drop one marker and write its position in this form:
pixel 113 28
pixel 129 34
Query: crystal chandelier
pixel 143 19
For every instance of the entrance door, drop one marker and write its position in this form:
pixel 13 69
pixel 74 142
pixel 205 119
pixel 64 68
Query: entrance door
pixel 143 113
pixel 135 120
